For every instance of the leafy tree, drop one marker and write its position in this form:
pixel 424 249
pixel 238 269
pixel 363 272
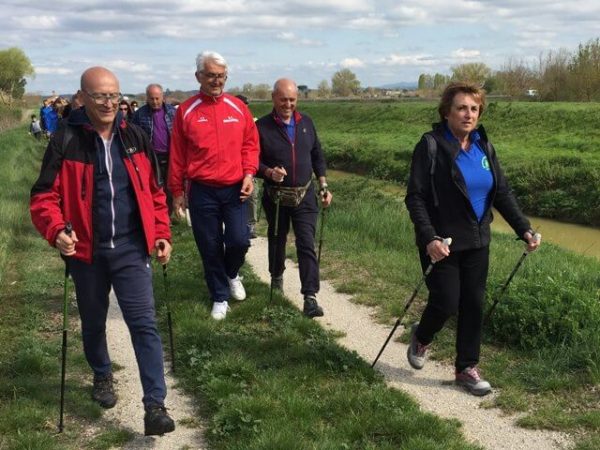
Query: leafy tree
pixel 471 72
pixel 344 83
pixel 440 81
pixel 14 67
pixel 554 75
pixel 261 91
pixel 323 90
pixel 515 78
pixel 585 71
pixel 425 82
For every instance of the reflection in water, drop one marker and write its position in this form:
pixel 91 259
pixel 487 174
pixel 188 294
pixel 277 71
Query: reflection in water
pixel 581 239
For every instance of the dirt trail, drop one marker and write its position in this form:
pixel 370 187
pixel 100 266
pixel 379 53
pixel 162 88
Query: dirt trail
pixel 431 387
pixel 129 411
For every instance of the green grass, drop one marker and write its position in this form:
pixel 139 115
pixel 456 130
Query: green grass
pixel 265 378
pixel 549 151
pixel 268 378
pixel 541 347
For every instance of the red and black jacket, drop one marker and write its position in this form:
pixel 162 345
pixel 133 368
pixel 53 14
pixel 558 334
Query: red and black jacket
pixel 64 191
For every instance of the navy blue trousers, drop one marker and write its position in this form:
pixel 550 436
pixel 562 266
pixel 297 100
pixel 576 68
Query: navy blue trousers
pixel 127 269
pixel 304 221
pixel 220 226
pixel 457 286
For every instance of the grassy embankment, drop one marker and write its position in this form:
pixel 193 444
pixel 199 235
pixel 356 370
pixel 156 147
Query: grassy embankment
pixel 549 151
pixel 266 378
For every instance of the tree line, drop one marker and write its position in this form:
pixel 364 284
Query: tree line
pixel 558 75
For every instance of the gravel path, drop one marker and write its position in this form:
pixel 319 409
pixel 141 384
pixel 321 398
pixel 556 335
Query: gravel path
pixel 129 411
pixel 431 387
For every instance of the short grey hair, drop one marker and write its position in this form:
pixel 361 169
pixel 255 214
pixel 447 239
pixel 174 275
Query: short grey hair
pixel 152 85
pixel 208 56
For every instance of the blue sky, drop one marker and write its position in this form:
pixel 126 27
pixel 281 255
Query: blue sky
pixel 382 41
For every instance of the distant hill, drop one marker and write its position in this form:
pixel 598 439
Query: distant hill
pixel 411 85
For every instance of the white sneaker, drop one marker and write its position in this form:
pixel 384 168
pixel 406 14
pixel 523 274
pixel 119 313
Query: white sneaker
pixel 236 288
pixel 219 310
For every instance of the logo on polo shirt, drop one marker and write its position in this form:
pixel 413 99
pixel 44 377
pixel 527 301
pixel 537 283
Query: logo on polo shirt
pixel 230 119
pixel 485 163
pixel 202 119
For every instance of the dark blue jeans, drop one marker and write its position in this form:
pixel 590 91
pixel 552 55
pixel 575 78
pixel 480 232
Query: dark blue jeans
pixel 220 226
pixel 304 221
pixel 457 286
pixel 127 269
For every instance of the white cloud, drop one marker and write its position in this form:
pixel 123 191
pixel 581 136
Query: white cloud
pixel 463 53
pixel 349 63
pixel 129 66
pixel 295 40
pixel 53 71
pixel 36 22
pixel 395 59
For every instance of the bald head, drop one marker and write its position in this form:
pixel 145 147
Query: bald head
pixel 94 74
pixel 285 97
pixel 285 85
pixel 100 95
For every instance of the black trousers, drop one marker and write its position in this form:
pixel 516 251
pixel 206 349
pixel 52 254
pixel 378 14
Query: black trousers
pixel 304 221
pixel 456 286
pixel 163 165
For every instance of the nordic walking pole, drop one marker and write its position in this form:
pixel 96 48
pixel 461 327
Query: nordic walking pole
pixel 259 203
pixel 323 215
pixel 447 243
pixel 68 230
pixel 536 237
pixel 169 322
pixel 275 234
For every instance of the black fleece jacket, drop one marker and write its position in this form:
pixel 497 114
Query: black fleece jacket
pixel 441 206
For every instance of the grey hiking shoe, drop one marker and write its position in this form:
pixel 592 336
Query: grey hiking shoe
pixel 311 307
pixel 416 352
pixel 471 380
pixel 277 283
pixel 104 392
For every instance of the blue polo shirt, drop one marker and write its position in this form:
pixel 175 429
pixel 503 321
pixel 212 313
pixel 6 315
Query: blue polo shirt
pixel 475 168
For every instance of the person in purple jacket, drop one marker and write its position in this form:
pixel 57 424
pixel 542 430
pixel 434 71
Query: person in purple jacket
pixel 290 152
pixel 156 119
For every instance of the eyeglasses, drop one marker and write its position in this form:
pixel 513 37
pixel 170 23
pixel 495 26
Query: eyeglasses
pixel 124 108
pixel 215 76
pixel 101 99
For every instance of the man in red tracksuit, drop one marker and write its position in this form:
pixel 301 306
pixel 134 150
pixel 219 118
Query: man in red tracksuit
pixel 98 174
pixel 214 145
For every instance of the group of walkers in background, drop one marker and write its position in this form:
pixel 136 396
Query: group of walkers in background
pixel 117 174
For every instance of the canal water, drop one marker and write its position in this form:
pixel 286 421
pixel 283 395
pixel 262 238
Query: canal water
pixel 581 239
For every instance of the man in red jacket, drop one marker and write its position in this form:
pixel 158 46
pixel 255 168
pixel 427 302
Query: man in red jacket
pixel 98 174
pixel 214 145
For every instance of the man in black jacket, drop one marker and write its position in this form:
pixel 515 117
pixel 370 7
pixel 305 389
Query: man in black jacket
pixel 290 152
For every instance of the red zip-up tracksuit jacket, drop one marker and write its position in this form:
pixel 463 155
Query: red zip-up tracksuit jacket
pixel 214 141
